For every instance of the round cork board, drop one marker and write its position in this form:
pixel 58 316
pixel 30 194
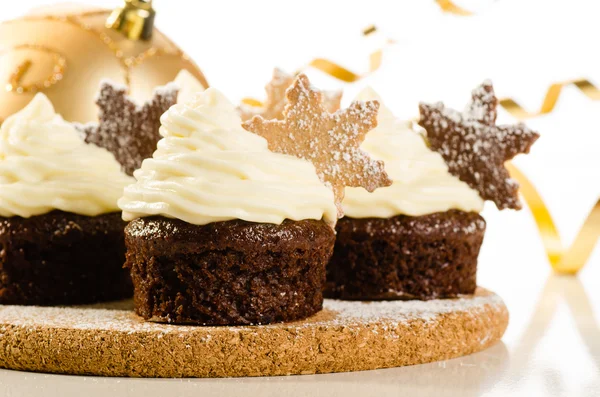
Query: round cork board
pixel 110 340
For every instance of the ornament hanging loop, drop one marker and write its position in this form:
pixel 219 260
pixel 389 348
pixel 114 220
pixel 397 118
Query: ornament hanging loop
pixel 135 19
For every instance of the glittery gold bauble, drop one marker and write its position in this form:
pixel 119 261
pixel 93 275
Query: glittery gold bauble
pixel 66 54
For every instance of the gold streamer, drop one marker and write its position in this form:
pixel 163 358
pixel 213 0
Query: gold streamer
pixel 563 260
pixel 550 99
pixel 451 8
pixel 346 75
pixel 337 71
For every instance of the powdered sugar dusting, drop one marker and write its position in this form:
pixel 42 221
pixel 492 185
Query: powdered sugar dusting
pixel 483 104
pixel 168 89
pixel 332 100
pixel 345 336
pixel 116 86
pixel 341 314
pixel 405 311
pixel 474 148
pixel 127 129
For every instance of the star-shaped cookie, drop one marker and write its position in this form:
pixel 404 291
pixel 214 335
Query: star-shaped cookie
pixel 330 141
pixel 127 130
pixel 276 100
pixel 475 148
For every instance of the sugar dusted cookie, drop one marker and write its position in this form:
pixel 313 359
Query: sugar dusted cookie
pixel 475 148
pixel 330 141
pixel 126 129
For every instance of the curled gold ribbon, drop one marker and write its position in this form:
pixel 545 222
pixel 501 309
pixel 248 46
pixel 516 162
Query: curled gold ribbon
pixel 563 260
pixel 550 99
pixel 341 73
pixel 252 102
pixel 451 8
pixel 337 71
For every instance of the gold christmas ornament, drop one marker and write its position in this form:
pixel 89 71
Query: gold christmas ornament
pixel 67 53
pixel 135 19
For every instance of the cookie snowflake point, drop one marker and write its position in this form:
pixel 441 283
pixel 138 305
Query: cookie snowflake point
pixel 475 148
pixel 128 130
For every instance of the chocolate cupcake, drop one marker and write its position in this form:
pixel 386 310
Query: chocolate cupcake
pixel 406 257
pixel 60 227
pixel 420 237
pixel 223 230
pixel 60 232
pixel 62 258
pixel 221 226
pixel 216 274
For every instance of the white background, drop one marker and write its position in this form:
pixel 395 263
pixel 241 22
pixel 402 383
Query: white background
pixel 523 45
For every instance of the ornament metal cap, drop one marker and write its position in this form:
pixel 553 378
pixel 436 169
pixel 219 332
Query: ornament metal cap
pixel 135 19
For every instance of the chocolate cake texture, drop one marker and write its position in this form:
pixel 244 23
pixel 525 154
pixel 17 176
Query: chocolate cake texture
pixel 62 258
pixel 403 257
pixel 227 273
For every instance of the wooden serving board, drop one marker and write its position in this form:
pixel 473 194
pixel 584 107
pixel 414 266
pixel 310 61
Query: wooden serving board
pixel 110 340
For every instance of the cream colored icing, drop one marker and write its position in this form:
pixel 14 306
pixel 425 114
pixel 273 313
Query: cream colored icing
pixel 45 165
pixel 422 183
pixel 207 168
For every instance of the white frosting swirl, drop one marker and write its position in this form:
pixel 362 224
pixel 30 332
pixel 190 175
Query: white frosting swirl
pixel 45 165
pixel 422 183
pixel 207 168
